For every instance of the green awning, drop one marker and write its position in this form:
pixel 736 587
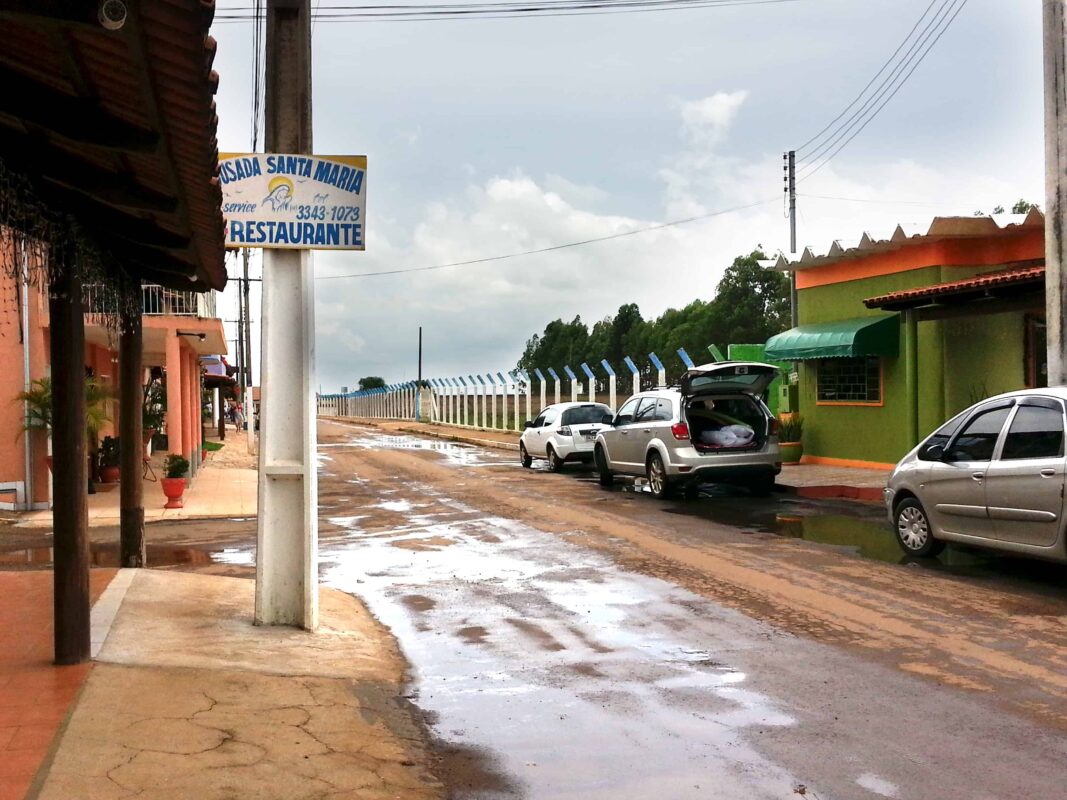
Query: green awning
pixel 845 338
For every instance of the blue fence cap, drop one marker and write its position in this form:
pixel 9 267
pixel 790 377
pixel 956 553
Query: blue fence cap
pixel 607 367
pixel 655 361
pixel 587 371
pixel 540 375
pixel 685 358
pixel 570 373
pixel 630 363
pixel 553 373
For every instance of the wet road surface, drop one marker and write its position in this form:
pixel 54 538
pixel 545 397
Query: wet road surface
pixel 568 641
pixel 556 659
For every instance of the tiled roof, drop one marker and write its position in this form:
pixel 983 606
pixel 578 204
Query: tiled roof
pixel 911 234
pixel 981 285
pixel 118 129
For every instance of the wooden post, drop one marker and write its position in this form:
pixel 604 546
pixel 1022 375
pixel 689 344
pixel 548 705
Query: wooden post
pixel 70 512
pixel 1055 53
pixel 131 449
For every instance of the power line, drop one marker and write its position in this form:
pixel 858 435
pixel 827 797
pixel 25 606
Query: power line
pixel 543 8
pixel 550 249
pixel 800 150
pixel 877 202
pixel 888 89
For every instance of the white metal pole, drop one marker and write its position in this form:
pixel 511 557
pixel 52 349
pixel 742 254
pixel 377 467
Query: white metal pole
pixel 611 392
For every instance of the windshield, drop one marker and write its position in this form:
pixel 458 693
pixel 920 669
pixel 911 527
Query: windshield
pixel 583 415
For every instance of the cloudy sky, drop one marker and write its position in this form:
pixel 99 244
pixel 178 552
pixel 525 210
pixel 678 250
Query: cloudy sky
pixel 490 137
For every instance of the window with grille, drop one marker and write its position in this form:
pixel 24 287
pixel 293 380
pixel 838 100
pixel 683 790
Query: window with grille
pixel 849 380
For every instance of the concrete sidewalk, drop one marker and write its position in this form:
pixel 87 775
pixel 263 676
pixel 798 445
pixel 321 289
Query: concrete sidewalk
pixel 225 487
pixel 803 480
pixel 187 699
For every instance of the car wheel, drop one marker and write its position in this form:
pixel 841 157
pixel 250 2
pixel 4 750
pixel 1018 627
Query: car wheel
pixel 657 477
pixel 604 475
pixel 524 457
pixel 914 534
pixel 555 463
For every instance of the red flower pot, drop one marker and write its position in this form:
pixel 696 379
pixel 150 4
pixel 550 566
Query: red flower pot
pixel 173 488
pixel 109 474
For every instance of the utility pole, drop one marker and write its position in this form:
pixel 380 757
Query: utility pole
pixel 1055 51
pixel 420 357
pixel 248 327
pixel 287 524
pixel 790 189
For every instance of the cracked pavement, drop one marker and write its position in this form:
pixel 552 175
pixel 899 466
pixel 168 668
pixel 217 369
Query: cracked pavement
pixel 276 713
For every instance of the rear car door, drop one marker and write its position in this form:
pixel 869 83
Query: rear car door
pixel 644 430
pixel 1024 485
pixel 616 437
pixel 954 492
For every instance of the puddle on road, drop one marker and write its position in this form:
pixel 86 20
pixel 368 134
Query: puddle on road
pixel 107 555
pixel 569 670
pixel 454 453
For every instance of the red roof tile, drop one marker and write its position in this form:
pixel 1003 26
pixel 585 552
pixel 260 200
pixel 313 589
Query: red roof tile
pixel 988 280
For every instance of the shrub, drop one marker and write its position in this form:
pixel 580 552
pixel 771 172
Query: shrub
pixel 175 466
pixel 790 428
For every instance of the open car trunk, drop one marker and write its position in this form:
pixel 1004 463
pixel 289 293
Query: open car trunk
pixel 731 423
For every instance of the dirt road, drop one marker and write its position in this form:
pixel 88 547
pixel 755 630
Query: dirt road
pixel 573 642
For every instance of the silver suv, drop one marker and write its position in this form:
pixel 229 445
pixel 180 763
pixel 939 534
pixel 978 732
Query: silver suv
pixel 712 427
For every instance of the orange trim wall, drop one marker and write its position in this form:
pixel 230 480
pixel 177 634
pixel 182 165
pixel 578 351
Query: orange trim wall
pixel 1027 245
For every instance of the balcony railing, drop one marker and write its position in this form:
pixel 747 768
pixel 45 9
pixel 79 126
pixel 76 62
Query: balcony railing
pixel 157 301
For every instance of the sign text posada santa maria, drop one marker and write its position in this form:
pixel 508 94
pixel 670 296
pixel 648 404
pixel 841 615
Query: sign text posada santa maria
pixel 313 202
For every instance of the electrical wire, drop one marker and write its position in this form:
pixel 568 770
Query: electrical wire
pixel 542 8
pixel 552 248
pixel 888 89
pixel 800 150
pixel 876 202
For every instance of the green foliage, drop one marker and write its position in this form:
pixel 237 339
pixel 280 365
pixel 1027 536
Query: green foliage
pixel 38 399
pixel 153 406
pixel 371 382
pixel 791 428
pixel 213 447
pixel 175 466
pixel 751 305
pixel 1021 206
pixel 109 451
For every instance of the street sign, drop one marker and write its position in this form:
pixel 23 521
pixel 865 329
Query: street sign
pixel 279 201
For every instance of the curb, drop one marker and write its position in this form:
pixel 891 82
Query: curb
pixel 869 494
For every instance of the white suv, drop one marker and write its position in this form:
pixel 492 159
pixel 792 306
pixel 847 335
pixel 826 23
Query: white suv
pixel 713 427
pixel 562 432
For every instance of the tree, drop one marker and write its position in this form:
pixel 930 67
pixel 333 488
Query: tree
pixel 371 382
pixel 1023 206
pixel 751 304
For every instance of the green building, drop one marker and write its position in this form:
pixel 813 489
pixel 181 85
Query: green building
pixel 897 335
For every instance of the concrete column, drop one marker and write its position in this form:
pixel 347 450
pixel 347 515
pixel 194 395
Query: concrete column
pixel 518 425
pixel 911 376
pixel 611 392
pixel 491 388
pixel 1055 59
pixel 174 394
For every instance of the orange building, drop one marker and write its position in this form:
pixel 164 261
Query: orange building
pixel 179 327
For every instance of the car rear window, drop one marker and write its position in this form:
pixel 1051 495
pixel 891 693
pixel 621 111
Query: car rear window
pixel 583 415
pixel 705 382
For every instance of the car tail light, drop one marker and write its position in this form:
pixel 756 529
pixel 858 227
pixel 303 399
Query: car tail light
pixel 565 430
pixel 680 430
pixel 772 429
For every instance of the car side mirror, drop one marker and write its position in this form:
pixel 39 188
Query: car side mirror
pixel 607 419
pixel 935 452
pixel 528 424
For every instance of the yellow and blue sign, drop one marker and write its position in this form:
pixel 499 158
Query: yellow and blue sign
pixel 309 202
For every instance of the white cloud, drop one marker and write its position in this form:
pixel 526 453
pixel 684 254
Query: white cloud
pixel 706 122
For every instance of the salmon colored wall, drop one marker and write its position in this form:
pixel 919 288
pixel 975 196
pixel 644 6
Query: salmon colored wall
pixel 12 443
pixel 1027 245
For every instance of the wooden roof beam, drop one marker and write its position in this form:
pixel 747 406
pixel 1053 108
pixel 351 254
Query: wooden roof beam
pixel 73 118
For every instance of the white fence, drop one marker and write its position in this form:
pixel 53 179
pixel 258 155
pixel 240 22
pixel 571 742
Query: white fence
pixel 498 401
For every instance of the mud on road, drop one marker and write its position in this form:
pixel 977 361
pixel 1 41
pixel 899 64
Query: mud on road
pixel 601 644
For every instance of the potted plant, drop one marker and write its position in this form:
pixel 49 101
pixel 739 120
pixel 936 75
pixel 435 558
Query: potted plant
pixel 109 460
pixel 790 432
pixel 173 481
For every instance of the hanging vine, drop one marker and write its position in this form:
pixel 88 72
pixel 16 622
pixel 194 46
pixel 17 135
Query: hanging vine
pixel 42 244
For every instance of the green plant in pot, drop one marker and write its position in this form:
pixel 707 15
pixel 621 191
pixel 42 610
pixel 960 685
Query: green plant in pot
pixel 790 434
pixel 109 460
pixel 175 469
pixel 38 400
